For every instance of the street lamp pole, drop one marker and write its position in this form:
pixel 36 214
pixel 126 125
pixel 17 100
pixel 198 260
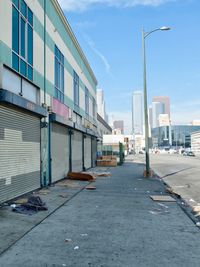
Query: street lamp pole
pixel 146 121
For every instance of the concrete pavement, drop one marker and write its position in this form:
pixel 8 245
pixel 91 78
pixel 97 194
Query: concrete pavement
pixel 115 225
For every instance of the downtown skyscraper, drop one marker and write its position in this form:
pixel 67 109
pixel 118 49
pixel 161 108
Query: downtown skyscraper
pixel 137 112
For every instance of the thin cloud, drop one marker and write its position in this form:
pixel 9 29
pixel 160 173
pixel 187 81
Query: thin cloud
pixel 185 112
pixel 98 53
pixel 82 5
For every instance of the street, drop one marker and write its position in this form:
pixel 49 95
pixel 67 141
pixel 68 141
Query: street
pixel 118 224
pixel 181 173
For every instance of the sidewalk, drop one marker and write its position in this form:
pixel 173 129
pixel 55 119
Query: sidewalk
pixel 115 225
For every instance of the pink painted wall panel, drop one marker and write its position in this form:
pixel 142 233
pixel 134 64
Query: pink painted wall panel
pixel 60 109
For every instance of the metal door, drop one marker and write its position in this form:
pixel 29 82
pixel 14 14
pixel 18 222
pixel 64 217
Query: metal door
pixel 59 152
pixel 87 152
pixel 19 153
pixel 77 151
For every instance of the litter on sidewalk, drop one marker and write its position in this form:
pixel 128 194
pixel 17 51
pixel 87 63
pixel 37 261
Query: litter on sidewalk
pixel 162 198
pixel 108 161
pixel 99 174
pixel 90 187
pixel 32 206
pixel 80 176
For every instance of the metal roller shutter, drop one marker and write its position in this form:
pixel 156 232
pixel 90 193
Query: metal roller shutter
pixel 19 153
pixel 87 152
pixel 77 151
pixel 94 151
pixel 59 152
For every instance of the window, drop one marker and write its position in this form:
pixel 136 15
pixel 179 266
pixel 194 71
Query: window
pixel 59 75
pixel 76 89
pixel 22 39
pixel 86 101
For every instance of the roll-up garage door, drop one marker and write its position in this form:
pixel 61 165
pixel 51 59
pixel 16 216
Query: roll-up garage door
pixel 87 152
pixel 77 151
pixel 94 151
pixel 19 153
pixel 59 152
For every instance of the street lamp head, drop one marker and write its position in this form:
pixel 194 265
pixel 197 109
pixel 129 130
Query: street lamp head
pixel 164 28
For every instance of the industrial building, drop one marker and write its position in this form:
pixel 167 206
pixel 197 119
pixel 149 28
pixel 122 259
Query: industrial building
pixel 195 143
pixel 176 135
pixel 47 98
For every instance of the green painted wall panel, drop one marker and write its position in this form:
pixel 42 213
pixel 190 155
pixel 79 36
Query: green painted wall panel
pixel 5 54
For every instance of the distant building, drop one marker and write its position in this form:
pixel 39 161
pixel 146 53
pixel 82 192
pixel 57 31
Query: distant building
pixel 137 112
pixel 110 120
pixel 117 132
pixel 150 117
pixel 157 109
pixel 196 122
pixel 119 125
pixel 101 110
pixel 165 100
pixel 176 135
pixel 139 143
pixel 114 140
pixel 195 142
pixel 103 129
pixel 163 120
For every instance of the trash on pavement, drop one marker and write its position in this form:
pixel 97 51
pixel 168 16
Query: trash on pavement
pixel 63 195
pixel 80 176
pixel 32 206
pixel 76 247
pixel 107 161
pixel 90 187
pixel 21 200
pixel 162 205
pixel 99 174
pixel 84 234
pixel 198 224
pixel 158 211
pixel 67 240
pixel 42 192
pixel 163 198
pixel 196 208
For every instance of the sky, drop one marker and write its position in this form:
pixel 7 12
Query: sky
pixel 109 33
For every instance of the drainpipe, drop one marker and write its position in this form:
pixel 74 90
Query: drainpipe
pixel 45 52
pixel 70 149
pixel 83 152
pixel 45 155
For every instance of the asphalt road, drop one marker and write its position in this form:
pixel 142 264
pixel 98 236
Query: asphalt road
pixel 181 173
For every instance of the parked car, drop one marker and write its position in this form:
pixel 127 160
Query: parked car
pixel 191 154
pixel 141 152
pixel 188 153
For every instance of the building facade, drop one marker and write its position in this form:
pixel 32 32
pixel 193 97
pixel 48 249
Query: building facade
pixel 176 135
pixel 165 101
pixel 195 143
pixel 47 98
pixel 137 112
pixel 103 128
pixel 118 126
pixel 157 109
pixel 101 109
